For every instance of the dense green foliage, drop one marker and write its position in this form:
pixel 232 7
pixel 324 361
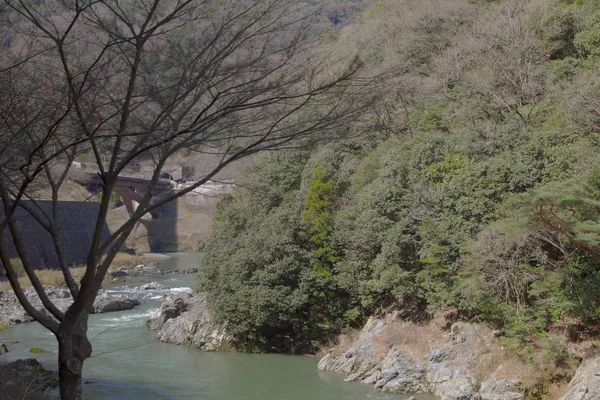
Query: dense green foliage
pixel 474 187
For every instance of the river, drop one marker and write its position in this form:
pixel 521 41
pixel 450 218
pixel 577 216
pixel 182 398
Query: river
pixel 128 363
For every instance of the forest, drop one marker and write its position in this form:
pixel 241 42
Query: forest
pixel 471 188
pixel 431 160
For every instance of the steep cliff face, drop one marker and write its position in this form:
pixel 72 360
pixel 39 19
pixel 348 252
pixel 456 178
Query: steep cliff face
pixel 401 357
pixel 585 385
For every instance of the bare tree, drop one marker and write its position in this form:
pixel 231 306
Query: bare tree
pixel 126 80
pixel 500 56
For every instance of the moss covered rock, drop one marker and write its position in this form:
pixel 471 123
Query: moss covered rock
pixel 30 371
pixel 37 350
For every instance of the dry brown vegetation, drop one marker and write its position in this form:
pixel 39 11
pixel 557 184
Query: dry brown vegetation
pixel 341 343
pixel 47 277
pixel 540 380
pixel 56 278
pixel 417 339
pixel 70 191
pixel 486 356
pixel 126 260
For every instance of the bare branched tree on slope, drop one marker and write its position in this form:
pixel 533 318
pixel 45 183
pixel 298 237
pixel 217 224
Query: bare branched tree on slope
pixel 123 80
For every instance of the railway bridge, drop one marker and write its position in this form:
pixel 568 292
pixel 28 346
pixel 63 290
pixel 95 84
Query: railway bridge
pixel 132 190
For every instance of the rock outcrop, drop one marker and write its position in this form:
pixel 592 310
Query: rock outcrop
pixel 12 313
pixel 185 319
pixel 585 385
pixel 32 376
pixel 109 303
pixel 447 372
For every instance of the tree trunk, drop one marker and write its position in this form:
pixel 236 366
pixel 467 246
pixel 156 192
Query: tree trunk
pixel 73 349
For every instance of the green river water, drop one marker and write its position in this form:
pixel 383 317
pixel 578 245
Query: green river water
pixel 129 364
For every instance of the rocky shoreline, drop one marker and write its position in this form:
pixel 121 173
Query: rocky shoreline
pixel 12 313
pixel 454 369
pixel 184 319
pixel 447 372
pixel 387 354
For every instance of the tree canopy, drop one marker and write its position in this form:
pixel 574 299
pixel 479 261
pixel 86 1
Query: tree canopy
pixel 473 188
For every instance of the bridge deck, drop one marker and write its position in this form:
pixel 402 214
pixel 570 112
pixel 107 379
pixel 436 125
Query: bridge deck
pixel 94 183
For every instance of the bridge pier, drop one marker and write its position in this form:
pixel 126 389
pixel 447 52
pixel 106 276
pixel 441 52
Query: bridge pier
pixel 132 199
pixel 132 190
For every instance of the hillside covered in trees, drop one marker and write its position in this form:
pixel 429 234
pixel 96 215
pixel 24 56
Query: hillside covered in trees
pixel 474 186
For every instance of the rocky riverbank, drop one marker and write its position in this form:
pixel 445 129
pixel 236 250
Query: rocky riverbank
pixel 184 319
pixel 387 356
pixel 449 369
pixel 459 361
pixel 124 272
pixel 455 361
pixel 12 313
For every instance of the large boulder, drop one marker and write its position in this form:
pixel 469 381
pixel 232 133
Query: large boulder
pixel 32 376
pixel 185 319
pixel 585 385
pixel 119 273
pixel 170 309
pixel 108 303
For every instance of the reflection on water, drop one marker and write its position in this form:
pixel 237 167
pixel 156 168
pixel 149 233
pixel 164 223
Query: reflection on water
pixel 128 363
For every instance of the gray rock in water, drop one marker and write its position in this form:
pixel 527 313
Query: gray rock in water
pixel 153 286
pixel 119 273
pixel 184 319
pixel 386 376
pixel 410 377
pixel 109 303
pixel 170 309
pixel 190 271
pixel 585 385
pixel 3 348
